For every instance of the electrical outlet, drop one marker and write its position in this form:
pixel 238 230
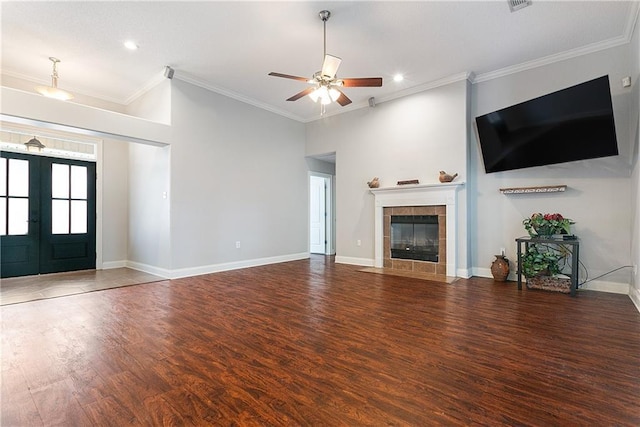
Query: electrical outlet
pixel 359 242
pixel 502 251
pixel 238 244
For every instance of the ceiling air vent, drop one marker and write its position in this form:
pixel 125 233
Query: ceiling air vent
pixel 518 4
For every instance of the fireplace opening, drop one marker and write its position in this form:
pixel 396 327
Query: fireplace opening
pixel 414 237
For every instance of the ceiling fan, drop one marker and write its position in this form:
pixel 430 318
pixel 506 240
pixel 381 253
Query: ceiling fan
pixel 326 84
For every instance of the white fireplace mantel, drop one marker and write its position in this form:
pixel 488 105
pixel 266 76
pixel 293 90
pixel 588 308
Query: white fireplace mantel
pixel 418 195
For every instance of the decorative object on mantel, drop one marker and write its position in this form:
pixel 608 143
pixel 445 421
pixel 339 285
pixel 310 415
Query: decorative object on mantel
pixel 408 182
pixel 533 190
pixel 539 225
pixel 500 268
pixel 445 177
pixel 374 183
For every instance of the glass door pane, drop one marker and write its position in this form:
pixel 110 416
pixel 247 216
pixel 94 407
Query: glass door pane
pixel 60 217
pixel 78 216
pixel 59 181
pixel 3 216
pixel 18 178
pixel 18 216
pixel 3 176
pixel 78 182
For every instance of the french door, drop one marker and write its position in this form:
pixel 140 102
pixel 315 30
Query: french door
pixel 47 215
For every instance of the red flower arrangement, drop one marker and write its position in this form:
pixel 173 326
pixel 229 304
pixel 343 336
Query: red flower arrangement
pixel 547 224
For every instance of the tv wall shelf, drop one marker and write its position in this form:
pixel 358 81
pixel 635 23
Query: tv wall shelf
pixel 534 190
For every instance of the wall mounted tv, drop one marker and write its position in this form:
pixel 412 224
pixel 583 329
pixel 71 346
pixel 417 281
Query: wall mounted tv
pixel 571 124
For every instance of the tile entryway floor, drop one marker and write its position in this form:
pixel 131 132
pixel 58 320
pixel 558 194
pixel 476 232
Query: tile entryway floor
pixel 31 288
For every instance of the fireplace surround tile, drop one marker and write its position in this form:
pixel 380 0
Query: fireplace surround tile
pixel 415 265
pixel 424 199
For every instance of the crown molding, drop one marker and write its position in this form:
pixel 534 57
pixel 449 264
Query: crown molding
pixel 428 86
pixel 569 54
pixel 186 77
pixel 153 82
pixel 401 94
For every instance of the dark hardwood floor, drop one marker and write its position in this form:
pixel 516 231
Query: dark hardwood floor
pixel 312 343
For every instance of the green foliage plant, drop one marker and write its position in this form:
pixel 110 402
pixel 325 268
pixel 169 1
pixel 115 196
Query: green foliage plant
pixel 540 260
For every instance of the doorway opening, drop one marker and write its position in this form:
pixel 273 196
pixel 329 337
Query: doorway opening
pixel 320 214
pixel 47 214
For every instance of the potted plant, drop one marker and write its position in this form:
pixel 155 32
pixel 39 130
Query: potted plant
pixel 539 225
pixel 542 262
pixel 538 260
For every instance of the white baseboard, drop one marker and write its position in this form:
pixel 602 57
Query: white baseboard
pixel 113 264
pixel 486 272
pixel 162 272
pixel 215 268
pixel 463 273
pixel 364 262
pixel 634 294
pixel 612 287
pixel 596 285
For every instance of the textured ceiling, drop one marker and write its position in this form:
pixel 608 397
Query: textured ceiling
pixel 230 47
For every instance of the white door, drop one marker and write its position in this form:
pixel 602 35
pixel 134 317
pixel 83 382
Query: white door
pixel 318 215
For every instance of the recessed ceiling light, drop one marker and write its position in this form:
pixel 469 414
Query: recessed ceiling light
pixel 131 45
pixel 398 78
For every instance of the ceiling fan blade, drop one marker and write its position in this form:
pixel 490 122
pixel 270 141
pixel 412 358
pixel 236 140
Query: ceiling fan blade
pixel 287 76
pixel 330 66
pixel 362 82
pixel 343 99
pixel 299 95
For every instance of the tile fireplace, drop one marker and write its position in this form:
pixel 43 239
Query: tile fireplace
pixel 431 200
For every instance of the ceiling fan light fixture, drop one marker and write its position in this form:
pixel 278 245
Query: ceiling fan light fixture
pixel 325 100
pixel 334 94
pixel 315 95
pixel 53 91
pixel 325 95
pixel 325 82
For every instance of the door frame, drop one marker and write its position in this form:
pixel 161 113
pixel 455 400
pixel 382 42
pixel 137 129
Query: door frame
pixel 328 195
pixel 50 241
pixel 44 129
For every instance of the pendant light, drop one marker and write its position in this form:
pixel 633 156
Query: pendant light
pixel 53 91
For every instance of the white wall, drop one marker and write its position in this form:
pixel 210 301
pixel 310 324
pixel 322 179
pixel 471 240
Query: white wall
pixel 34 109
pixel 598 191
pixel 115 203
pixel 149 245
pixel 238 174
pixel 154 105
pixel 412 137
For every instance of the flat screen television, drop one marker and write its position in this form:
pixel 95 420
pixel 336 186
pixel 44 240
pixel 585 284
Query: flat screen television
pixel 571 124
